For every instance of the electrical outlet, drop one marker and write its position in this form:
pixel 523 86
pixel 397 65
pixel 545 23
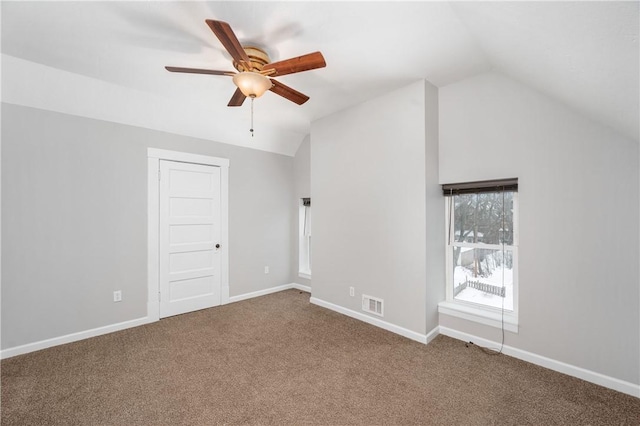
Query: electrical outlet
pixel 266 269
pixel 352 291
pixel 117 296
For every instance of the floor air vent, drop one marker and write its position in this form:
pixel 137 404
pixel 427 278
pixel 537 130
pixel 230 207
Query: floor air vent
pixel 373 305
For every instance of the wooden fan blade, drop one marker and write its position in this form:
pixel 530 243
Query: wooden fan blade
pixel 198 71
pixel 288 93
pixel 306 62
pixel 227 37
pixel 237 99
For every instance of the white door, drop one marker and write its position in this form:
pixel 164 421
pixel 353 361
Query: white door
pixel 190 232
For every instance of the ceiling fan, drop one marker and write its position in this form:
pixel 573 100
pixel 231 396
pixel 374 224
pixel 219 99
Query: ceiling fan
pixel 255 69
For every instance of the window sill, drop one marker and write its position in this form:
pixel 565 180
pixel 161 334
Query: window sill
pixel 483 316
pixel 305 275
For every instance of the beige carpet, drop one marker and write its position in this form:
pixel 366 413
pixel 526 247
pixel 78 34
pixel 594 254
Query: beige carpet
pixel 279 360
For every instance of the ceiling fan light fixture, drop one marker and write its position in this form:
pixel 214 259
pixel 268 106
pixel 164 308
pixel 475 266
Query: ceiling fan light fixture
pixel 252 84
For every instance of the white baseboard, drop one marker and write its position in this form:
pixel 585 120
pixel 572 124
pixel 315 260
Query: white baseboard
pixel 152 316
pixel 581 373
pixel 433 334
pixel 301 287
pixel 561 367
pixel 266 291
pixel 259 293
pixel 73 337
pixel 422 338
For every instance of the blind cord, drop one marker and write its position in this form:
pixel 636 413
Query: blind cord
pixel 490 351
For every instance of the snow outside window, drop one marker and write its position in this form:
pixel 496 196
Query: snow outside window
pixel 482 250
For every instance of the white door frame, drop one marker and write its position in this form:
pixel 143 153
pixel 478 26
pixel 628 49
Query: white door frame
pixel 154 156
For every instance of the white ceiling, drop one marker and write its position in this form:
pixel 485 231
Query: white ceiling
pixel 106 59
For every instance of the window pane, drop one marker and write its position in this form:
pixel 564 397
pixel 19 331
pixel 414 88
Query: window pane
pixel 482 218
pixel 464 207
pixel 478 276
pixel 304 239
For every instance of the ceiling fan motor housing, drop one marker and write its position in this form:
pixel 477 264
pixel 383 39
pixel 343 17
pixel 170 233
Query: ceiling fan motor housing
pixel 258 57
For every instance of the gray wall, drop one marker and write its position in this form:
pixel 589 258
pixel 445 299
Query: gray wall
pixel 578 191
pixel 302 189
pixel 434 211
pixel 368 187
pixel 74 220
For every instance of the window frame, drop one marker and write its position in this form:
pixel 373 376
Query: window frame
pixel 476 312
pixel 304 243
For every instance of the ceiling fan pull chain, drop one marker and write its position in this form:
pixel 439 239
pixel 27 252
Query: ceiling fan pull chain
pixel 251 129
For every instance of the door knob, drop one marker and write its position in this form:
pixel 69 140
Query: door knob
pixel 217 246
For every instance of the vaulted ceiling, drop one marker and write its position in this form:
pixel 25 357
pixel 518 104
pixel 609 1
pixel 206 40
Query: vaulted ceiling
pixel 106 60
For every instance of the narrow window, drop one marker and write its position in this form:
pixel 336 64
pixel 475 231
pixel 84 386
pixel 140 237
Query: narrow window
pixel 304 240
pixel 482 244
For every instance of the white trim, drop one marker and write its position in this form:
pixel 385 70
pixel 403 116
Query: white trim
pixel 304 275
pixel 153 232
pixel 481 315
pixel 224 234
pixel 154 156
pixel 561 367
pixel 73 337
pixel 418 337
pixel 259 293
pixel 481 245
pixel 433 334
pixel 186 157
pixel 304 241
pixel 151 307
pixel 301 287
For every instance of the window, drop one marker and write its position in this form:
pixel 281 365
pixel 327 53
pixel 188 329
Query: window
pixel 304 239
pixel 481 229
